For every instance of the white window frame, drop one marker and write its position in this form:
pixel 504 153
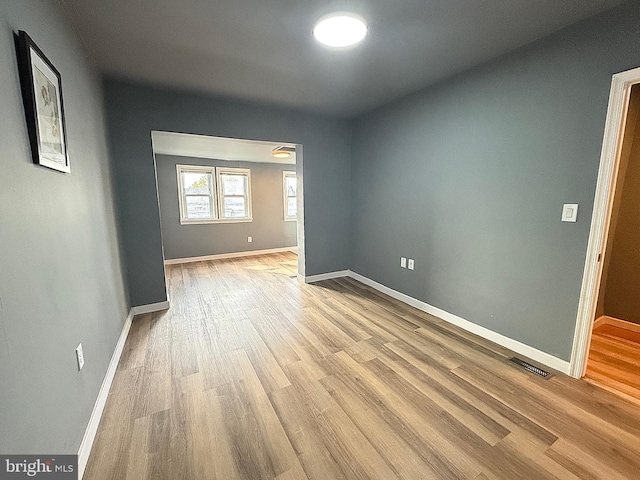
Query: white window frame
pixel 215 194
pixel 247 196
pixel 182 196
pixel 288 174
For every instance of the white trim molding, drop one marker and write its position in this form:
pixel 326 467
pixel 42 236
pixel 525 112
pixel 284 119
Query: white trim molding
pixel 219 256
pixel 150 308
pixel 285 195
pixel 324 276
pixel 621 84
pixel 617 322
pixel 544 358
pixel 300 225
pixel 518 347
pixel 98 408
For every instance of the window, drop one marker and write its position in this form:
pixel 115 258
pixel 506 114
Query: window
pixel 213 194
pixel 290 195
pixel 196 194
pixel 233 192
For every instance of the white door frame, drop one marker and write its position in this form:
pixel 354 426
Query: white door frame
pixel 621 84
pixel 302 245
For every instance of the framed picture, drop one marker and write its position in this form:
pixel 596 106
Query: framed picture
pixel 42 96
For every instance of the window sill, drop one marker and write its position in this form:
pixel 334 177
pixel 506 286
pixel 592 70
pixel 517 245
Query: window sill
pixel 214 222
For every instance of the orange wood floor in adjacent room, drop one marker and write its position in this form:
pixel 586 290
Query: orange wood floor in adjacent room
pixel 614 359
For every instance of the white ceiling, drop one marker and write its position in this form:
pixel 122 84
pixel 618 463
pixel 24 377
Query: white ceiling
pixel 263 50
pixel 201 146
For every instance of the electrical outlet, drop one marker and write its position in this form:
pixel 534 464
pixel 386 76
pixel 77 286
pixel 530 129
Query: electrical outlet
pixel 249 239
pixel 411 264
pixel 403 262
pixel 80 357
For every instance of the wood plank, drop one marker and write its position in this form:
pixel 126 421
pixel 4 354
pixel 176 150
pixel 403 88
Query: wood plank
pixel 305 434
pixel 346 443
pixel 426 419
pixel 262 360
pixel 404 461
pixel 257 431
pixel 619 333
pixel 139 450
pixel 580 463
pixel 464 411
pixel 510 419
pixel 594 435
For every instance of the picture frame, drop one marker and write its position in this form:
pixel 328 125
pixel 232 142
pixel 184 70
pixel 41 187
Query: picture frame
pixel 41 85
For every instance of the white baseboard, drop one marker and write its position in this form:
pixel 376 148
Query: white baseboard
pixel 98 408
pixel 219 256
pixel 150 308
pixel 616 322
pixel 518 347
pixel 324 276
pixel 599 321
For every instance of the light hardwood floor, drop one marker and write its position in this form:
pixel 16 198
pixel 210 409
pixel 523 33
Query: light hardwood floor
pixel 254 375
pixel 614 359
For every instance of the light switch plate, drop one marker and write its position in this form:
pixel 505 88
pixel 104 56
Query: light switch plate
pixel 403 262
pixel 411 264
pixel 570 212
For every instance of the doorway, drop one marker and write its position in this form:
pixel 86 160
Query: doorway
pixel 614 353
pixel 607 342
pixel 225 198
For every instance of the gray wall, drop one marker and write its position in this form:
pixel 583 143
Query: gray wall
pixel 133 111
pixel 469 177
pixel 60 276
pixel 268 227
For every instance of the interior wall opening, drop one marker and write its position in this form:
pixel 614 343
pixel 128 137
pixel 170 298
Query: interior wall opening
pixel 227 197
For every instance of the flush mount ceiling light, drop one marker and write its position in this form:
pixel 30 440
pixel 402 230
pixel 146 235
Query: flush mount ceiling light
pixel 282 152
pixel 340 30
